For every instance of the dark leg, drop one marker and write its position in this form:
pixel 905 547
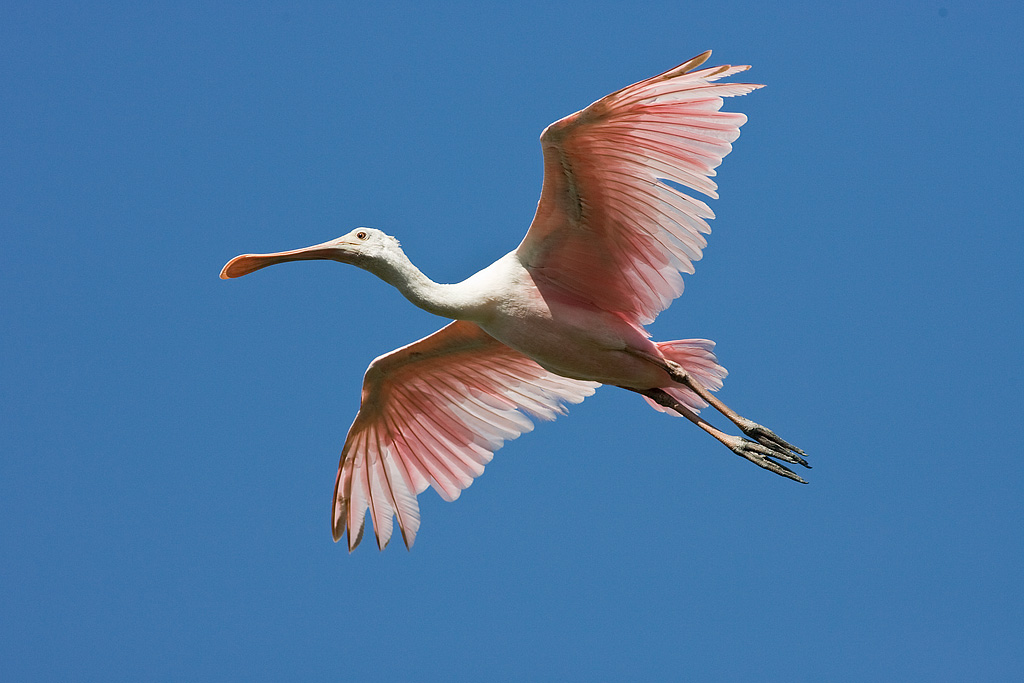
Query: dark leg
pixel 759 433
pixel 757 453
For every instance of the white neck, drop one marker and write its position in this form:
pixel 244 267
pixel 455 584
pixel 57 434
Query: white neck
pixel 449 301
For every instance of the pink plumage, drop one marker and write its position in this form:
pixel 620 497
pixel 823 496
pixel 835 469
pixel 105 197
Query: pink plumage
pixel 437 409
pixel 607 230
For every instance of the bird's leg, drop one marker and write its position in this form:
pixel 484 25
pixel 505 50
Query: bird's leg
pixel 755 431
pixel 757 453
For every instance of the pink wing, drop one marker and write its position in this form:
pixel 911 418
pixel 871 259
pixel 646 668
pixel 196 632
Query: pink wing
pixel 608 231
pixel 433 413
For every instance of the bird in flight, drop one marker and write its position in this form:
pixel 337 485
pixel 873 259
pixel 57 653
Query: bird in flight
pixel 562 314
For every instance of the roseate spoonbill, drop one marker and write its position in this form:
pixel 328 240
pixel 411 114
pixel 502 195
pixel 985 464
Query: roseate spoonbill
pixel 563 313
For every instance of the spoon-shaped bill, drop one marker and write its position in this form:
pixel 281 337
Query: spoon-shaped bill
pixel 248 263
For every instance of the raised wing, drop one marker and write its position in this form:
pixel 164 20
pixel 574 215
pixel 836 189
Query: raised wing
pixel 608 230
pixel 432 414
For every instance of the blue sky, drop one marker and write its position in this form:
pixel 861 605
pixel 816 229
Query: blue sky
pixel 170 440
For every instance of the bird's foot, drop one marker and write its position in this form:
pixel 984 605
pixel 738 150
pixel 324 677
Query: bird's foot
pixel 761 454
pixel 772 441
pixel 781 449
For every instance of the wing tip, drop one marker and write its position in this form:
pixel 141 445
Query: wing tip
pixel 693 63
pixel 407 538
pixel 338 529
pixel 338 517
pixel 354 539
pixel 684 68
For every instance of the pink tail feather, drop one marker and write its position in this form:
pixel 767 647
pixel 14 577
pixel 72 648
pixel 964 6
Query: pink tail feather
pixel 697 358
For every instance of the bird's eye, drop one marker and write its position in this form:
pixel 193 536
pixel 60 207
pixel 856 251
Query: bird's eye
pixel 362 235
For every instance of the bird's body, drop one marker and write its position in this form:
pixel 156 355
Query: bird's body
pixel 563 313
pixel 562 334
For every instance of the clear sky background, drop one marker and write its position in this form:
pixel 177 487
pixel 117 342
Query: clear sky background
pixel 169 441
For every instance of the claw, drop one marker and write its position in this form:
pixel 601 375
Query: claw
pixel 769 439
pixel 784 455
pixel 761 454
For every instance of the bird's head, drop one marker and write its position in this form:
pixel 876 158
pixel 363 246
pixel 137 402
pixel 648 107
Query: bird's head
pixel 362 247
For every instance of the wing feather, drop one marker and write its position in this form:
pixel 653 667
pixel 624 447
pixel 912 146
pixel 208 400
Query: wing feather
pixel 432 414
pixel 381 507
pixel 610 230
